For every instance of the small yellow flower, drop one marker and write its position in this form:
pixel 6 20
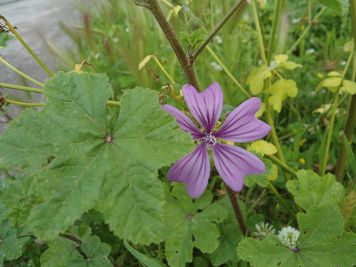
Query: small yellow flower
pixel 302 161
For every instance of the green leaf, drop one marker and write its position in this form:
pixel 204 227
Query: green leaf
pixel 262 147
pixel 348 87
pixel 311 189
pixel 230 235
pixel 322 243
pixel 4 37
pixel 263 179
pixel 281 61
pixel 187 224
pixel 147 261
pixel 332 83
pixel 10 245
pixel 82 157
pixel 338 7
pixel 19 198
pixel 316 229
pixel 279 91
pixel 67 253
pixel 256 79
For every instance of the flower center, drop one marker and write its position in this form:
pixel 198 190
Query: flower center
pixel 209 139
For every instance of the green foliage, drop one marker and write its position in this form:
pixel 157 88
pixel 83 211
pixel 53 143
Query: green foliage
pixel 323 243
pixel 4 37
pixel 230 235
pixel 147 261
pixel 81 180
pixel 269 175
pixel 81 156
pixel 282 62
pixel 338 7
pixel 187 224
pixel 311 189
pixel 257 77
pixel 279 91
pixel 10 245
pixel 63 252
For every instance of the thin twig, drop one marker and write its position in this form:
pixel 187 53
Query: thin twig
pixel 157 12
pixel 23 104
pixel 281 164
pixel 27 47
pixel 237 210
pixel 21 88
pixel 14 69
pixel 70 237
pixel 238 8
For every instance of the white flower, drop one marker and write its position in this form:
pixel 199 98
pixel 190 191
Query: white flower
pixel 289 237
pixel 273 65
pixel 264 229
pixel 296 20
pixel 216 66
pixel 310 51
pixel 217 39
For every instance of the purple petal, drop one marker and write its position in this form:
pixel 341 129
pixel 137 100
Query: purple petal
pixel 234 163
pixel 184 122
pixel 194 170
pixel 241 125
pixel 206 107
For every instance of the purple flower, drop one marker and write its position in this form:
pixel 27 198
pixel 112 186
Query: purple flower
pixel 232 162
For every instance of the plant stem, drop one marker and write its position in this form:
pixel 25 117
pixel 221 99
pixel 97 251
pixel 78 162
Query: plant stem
pixel 215 56
pixel 259 32
pixel 238 8
pixel 70 237
pixel 306 30
pixel 14 69
pixel 21 88
pixel 281 164
pixel 164 70
pixel 324 160
pixel 27 47
pixel 276 19
pixel 188 69
pixel 280 198
pixel 350 122
pixel 30 105
pixel 24 104
pixel 274 134
pixel 237 210
pixel 113 103
pixel 40 91
pixel 268 111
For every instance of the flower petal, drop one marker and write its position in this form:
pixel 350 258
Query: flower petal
pixel 241 125
pixel 184 122
pixel 206 107
pixel 194 170
pixel 234 163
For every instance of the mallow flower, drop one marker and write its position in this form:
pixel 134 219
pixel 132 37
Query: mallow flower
pixel 232 162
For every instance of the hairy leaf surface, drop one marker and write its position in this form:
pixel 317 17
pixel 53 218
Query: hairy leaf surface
pixel 190 224
pixel 82 157
pixel 322 243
